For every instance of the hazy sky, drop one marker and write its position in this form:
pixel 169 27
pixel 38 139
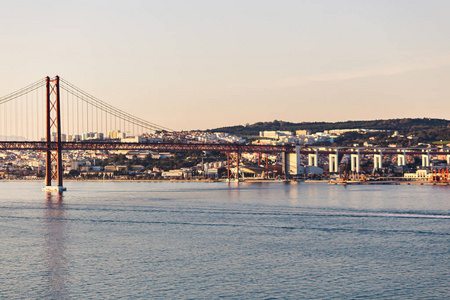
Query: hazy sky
pixel 205 64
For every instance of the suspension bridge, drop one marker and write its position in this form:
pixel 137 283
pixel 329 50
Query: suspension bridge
pixel 52 115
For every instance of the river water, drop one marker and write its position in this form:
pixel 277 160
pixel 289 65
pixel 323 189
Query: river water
pixel 166 240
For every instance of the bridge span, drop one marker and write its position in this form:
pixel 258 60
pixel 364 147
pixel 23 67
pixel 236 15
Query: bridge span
pixel 166 147
pixel 242 148
pixel 53 115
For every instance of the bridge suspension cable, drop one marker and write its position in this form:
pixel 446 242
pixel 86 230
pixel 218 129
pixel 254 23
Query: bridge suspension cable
pixel 28 89
pixel 19 118
pixel 83 116
pixel 109 109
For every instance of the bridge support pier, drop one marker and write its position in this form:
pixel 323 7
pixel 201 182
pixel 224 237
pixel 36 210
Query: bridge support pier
pixel 267 165
pixel 425 160
pixel 378 161
pixel 228 166
pixel 312 159
pixel 333 163
pixel 237 167
pixel 354 162
pixel 292 162
pixel 401 159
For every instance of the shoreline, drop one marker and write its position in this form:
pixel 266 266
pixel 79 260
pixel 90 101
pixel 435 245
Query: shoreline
pixel 310 181
pixel 393 182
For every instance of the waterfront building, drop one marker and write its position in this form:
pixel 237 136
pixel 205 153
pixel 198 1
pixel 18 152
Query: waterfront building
pixel 132 139
pixel 419 175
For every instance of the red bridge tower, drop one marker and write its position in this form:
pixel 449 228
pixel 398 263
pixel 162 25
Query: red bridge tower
pixel 53 168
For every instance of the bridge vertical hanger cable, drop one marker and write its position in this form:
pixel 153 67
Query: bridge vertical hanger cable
pixel 91 128
pixel 105 130
pixel 110 122
pixel 33 108
pixel 78 116
pixel 16 130
pixel 10 131
pixel 36 121
pixel 97 119
pixel 87 117
pixel 101 123
pixel 36 117
pixel 81 119
pixel 25 120
pixel 21 111
pixel 82 116
pixel 28 106
pixel 2 111
pixel 67 115
pixel 18 119
pixel 37 110
pixel 73 117
pixel 2 107
pixel 6 121
pixel 35 125
pixel 42 114
pixel 92 118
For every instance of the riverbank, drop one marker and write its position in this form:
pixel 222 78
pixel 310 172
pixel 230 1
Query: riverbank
pixel 331 182
pixel 369 182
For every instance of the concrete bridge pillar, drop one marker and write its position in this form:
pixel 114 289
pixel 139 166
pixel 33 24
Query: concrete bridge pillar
pixel 354 162
pixel 425 160
pixel 378 161
pixel 312 159
pixel 401 159
pixel 333 163
pixel 292 163
pixel 448 159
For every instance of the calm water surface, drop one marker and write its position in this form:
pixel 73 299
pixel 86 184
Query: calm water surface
pixel 214 240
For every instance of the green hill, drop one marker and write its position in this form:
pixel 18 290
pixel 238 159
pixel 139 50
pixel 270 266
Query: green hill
pixel 427 129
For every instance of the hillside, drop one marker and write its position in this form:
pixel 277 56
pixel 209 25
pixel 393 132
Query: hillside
pixel 427 129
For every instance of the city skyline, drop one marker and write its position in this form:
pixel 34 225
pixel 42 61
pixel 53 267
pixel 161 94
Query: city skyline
pixel 205 65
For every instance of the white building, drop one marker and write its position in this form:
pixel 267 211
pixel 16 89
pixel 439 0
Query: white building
pixel 132 139
pixel 419 175
pixel 274 134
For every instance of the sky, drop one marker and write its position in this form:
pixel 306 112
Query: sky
pixel 205 64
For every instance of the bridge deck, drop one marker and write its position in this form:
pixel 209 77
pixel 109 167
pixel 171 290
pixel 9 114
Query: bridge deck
pixel 179 147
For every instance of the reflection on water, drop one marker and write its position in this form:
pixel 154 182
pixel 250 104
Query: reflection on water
pixel 55 243
pixel 212 240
